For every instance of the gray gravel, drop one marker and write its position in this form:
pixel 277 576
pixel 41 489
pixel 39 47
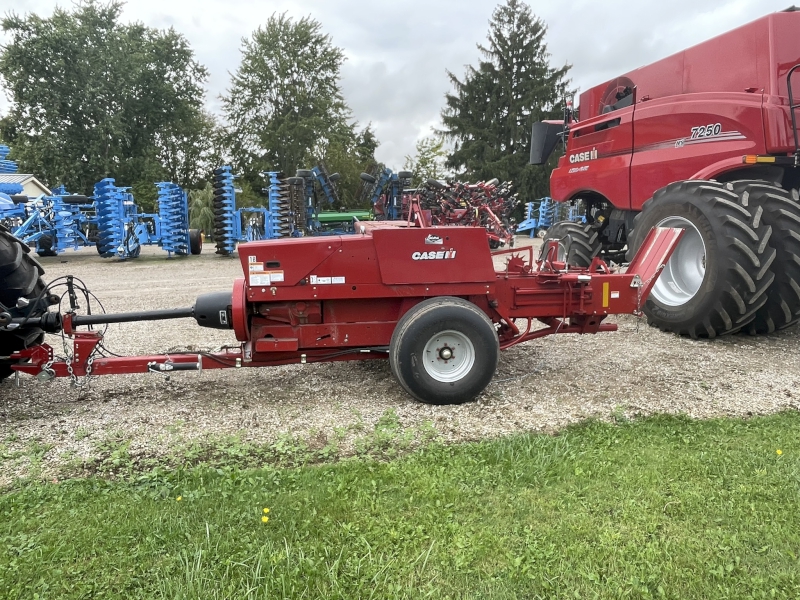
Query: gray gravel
pixel 543 385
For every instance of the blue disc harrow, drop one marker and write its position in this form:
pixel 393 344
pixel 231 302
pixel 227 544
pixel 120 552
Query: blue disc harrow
pixel 173 221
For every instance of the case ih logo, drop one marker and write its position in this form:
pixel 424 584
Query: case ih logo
pixel 440 255
pixel 583 156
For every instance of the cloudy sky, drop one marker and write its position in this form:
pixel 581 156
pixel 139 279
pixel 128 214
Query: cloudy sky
pixel 398 52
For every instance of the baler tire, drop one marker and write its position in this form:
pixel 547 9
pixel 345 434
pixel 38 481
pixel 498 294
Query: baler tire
pixel 718 277
pixel 195 241
pixel 450 321
pixel 580 243
pixel 20 277
pixel 781 210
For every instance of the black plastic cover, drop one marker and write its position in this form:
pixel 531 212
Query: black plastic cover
pixel 544 138
pixel 214 310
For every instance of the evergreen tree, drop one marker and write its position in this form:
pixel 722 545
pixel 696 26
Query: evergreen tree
pixel 490 113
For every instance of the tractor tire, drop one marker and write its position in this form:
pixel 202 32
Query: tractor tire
pixel 781 211
pixel 438 325
pixel 20 277
pixel 195 241
pixel 719 275
pixel 578 244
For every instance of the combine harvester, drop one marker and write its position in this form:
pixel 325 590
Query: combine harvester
pixel 705 140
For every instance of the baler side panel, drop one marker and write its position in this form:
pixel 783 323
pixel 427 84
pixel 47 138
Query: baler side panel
pixel 284 262
pixel 442 255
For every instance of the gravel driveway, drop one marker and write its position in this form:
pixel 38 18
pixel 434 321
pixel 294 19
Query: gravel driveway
pixel 539 386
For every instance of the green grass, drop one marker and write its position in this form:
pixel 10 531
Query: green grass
pixel 664 508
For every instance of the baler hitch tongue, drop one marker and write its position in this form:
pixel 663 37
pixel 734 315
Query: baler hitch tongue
pixel 652 257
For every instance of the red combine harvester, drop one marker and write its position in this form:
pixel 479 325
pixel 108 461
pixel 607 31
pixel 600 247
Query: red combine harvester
pixel 705 140
pixel 427 298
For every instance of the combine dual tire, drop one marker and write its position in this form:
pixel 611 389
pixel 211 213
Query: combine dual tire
pixel 444 351
pixel 780 210
pixel 718 278
pixel 20 277
pixel 578 244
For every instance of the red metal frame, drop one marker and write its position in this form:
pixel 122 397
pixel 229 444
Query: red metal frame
pixel 340 297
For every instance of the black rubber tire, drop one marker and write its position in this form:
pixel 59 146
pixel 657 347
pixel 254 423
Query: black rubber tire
pixel 304 173
pixel 195 241
pixel 423 322
pixel 780 210
pixel 20 277
pixel 45 246
pixel 737 262
pixel 368 178
pixel 19 199
pixel 580 243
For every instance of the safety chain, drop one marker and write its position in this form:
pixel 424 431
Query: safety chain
pixel 639 288
pixel 74 381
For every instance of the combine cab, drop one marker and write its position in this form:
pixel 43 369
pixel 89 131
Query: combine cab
pixel 704 140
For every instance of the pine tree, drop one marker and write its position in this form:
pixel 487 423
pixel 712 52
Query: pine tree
pixel 490 113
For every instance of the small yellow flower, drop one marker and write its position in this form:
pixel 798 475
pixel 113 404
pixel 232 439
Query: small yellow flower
pixel 778 451
pixel 265 519
pixel 266 510
pixel 179 498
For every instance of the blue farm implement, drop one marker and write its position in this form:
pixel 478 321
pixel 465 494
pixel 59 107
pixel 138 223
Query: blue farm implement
pixel 49 224
pixel 122 230
pixel 292 208
pixel 385 192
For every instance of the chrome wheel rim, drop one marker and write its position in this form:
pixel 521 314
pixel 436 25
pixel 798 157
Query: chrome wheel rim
pixel 448 356
pixel 683 275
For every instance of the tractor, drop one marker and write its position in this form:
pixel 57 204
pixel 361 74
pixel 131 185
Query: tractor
pixel 704 140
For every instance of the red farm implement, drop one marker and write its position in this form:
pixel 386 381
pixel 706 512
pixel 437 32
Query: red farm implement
pixel 427 298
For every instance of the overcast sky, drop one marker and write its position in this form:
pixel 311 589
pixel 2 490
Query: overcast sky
pixel 398 52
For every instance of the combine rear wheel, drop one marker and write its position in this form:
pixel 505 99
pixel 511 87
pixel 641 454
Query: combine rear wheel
pixel 718 277
pixel 444 351
pixel 781 211
pixel 20 277
pixel 578 244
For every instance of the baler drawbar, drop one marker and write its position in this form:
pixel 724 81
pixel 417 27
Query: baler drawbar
pixel 427 298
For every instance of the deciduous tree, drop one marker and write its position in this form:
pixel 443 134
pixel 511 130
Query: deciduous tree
pixel 92 97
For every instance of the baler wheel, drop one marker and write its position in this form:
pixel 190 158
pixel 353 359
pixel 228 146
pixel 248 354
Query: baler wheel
pixel 781 210
pixel 444 351
pixel 578 244
pixel 20 277
pixel 195 241
pixel 719 276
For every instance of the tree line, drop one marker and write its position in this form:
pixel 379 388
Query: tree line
pixel 92 97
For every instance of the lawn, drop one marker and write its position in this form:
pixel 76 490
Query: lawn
pixel 663 507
